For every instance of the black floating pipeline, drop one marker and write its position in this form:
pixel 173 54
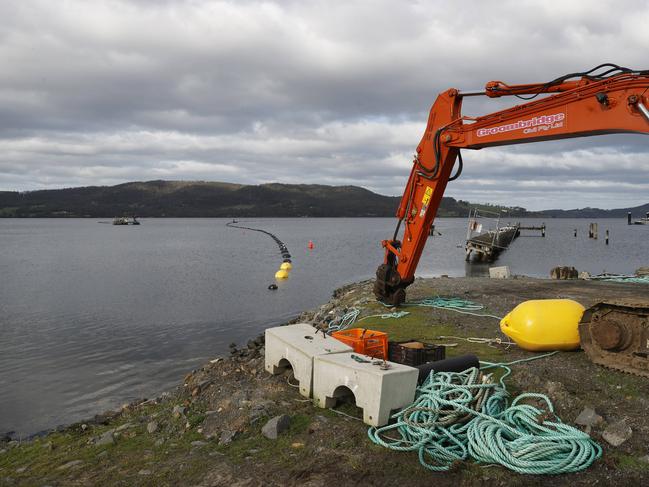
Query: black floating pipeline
pixel 286 264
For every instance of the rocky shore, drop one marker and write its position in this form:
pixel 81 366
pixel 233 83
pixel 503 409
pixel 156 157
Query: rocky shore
pixel 230 423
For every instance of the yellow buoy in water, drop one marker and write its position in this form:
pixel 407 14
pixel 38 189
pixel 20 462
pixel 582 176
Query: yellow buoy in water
pixel 286 266
pixel 544 324
pixel 281 274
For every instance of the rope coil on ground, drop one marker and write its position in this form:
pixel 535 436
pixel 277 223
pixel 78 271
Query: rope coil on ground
pixel 451 304
pixel 629 279
pixel 461 416
pixel 346 320
pixel 351 317
pixel 490 342
pixel 458 305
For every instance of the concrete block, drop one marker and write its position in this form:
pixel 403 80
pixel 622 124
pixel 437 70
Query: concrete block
pixel 501 272
pixel 377 391
pixel 296 346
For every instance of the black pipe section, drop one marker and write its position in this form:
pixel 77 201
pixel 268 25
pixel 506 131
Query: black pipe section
pixel 282 247
pixel 455 364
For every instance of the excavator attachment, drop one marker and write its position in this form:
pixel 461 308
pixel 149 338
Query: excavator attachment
pixel 615 334
pixel 388 286
pixel 607 99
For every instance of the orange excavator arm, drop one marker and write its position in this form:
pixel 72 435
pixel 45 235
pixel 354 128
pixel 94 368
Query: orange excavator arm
pixel 613 101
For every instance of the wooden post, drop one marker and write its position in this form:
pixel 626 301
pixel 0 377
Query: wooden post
pixel 592 231
pixel 543 230
pixel 606 236
pixel 575 233
pixel 628 218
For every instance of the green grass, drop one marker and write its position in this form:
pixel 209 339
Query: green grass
pixel 630 462
pixel 623 384
pixel 280 451
pixel 422 325
pixel 170 462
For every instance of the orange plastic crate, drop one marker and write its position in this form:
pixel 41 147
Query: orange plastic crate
pixel 368 342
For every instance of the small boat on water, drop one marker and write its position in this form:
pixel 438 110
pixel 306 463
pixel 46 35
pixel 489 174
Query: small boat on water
pixel 125 220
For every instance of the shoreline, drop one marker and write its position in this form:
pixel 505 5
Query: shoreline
pixel 211 422
pixel 9 435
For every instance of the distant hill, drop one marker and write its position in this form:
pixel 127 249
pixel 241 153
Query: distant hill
pixel 198 199
pixel 217 199
pixel 636 211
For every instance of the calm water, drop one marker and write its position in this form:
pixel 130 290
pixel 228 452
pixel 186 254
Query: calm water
pixel 92 315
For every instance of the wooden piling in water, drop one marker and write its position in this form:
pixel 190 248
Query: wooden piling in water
pixel 541 228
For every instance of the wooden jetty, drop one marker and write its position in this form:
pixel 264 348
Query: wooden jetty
pixel 540 228
pixel 486 246
pixel 643 221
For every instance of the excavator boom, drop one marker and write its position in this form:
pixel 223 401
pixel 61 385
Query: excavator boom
pixel 607 99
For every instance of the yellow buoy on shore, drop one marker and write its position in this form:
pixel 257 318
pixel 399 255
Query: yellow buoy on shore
pixel 286 266
pixel 281 274
pixel 544 324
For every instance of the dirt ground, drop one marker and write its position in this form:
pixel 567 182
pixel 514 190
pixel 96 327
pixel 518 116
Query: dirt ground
pixel 208 431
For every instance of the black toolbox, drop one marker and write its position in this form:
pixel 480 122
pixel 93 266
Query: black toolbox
pixel 415 356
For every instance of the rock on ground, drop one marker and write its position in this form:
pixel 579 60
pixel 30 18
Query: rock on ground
pixel 106 438
pixel 227 437
pixel 564 272
pixel 274 427
pixel 617 433
pixel 588 417
pixel 178 411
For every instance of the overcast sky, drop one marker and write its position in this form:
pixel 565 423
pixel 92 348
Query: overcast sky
pixel 102 92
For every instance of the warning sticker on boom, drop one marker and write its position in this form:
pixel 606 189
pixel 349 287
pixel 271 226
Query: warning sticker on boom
pixel 425 200
pixel 427 195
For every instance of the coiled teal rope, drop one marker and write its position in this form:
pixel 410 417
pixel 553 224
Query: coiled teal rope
pixel 351 317
pixel 452 304
pixel 628 279
pixel 457 305
pixel 344 321
pixel 461 416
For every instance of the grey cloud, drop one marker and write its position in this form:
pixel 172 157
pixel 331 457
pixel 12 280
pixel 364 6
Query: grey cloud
pixel 99 92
